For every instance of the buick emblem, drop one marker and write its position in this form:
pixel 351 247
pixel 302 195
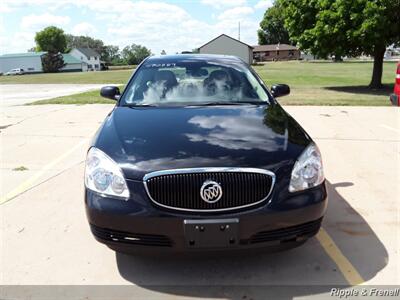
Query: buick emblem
pixel 210 191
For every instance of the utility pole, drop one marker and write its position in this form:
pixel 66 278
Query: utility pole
pixel 239 31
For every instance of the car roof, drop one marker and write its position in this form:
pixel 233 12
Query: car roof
pixel 216 58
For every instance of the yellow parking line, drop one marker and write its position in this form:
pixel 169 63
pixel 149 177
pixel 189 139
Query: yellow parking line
pixel 349 272
pixel 29 183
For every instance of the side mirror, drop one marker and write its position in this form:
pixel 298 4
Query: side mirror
pixel 110 92
pixel 279 90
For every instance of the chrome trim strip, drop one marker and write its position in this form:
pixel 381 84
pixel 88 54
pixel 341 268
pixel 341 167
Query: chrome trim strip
pixel 206 170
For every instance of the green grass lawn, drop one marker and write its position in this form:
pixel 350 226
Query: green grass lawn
pixel 312 83
pixel 90 97
pixel 327 83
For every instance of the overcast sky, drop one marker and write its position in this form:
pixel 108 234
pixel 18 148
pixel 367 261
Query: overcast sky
pixel 170 25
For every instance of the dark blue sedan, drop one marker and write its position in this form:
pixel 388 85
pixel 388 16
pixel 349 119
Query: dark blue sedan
pixel 197 155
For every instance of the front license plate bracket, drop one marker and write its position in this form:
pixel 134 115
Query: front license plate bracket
pixel 213 233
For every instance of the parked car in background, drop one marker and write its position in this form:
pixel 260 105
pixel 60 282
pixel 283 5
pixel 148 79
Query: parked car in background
pixel 103 66
pixel 17 71
pixel 197 155
pixel 395 97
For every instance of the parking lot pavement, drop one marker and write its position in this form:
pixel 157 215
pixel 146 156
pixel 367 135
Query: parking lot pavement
pixel 46 239
pixel 361 152
pixel 18 94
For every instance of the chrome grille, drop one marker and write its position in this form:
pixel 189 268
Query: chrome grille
pixel 180 188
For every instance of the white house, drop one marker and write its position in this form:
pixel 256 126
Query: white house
pixel 227 45
pixel 31 62
pixel 392 53
pixel 88 56
pixel 73 64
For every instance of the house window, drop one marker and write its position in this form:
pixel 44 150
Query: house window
pixel 291 53
pixel 81 57
pixel 277 52
pixel 266 53
pixel 96 66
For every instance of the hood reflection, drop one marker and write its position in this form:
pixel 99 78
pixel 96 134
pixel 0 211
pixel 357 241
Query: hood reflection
pixel 243 132
pixel 146 140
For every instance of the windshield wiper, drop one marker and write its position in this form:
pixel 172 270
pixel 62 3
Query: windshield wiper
pixel 139 105
pixel 214 103
pixel 232 103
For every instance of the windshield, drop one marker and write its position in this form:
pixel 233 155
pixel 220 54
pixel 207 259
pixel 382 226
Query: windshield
pixel 193 83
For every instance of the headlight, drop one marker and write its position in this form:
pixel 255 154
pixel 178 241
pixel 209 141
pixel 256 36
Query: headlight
pixel 103 175
pixel 307 171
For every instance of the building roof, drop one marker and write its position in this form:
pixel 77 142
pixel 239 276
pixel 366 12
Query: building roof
pixel 227 37
pixel 88 52
pixel 195 57
pixel 69 59
pixel 274 47
pixel 26 54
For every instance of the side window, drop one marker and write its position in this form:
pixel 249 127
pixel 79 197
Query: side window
pixel 140 86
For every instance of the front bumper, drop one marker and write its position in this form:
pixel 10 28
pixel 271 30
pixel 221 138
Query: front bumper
pixel 141 227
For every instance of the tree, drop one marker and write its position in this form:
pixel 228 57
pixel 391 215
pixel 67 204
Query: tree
pixel 51 39
pixel 52 62
pixel 378 28
pixel 134 54
pixel 163 52
pixel 273 29
pixel 54 42
pixel 85 42
pixel 344 27
pixel 110 54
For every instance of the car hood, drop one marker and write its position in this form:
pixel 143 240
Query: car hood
pixel 143 140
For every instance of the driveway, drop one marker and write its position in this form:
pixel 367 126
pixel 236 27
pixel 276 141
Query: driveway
pixel 18 94
pixel 46 239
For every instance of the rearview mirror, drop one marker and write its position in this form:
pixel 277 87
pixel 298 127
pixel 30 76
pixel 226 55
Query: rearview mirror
pixel 279 90
pixel 110 92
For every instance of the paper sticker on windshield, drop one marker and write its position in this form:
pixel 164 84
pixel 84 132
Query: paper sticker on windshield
pixel 164 65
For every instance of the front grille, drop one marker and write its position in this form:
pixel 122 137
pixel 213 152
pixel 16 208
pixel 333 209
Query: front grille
pixel 304 230
pixel 131 238
pixel 180 189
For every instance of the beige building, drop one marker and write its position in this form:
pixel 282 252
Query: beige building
pixel 227 45
pixel 275 52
